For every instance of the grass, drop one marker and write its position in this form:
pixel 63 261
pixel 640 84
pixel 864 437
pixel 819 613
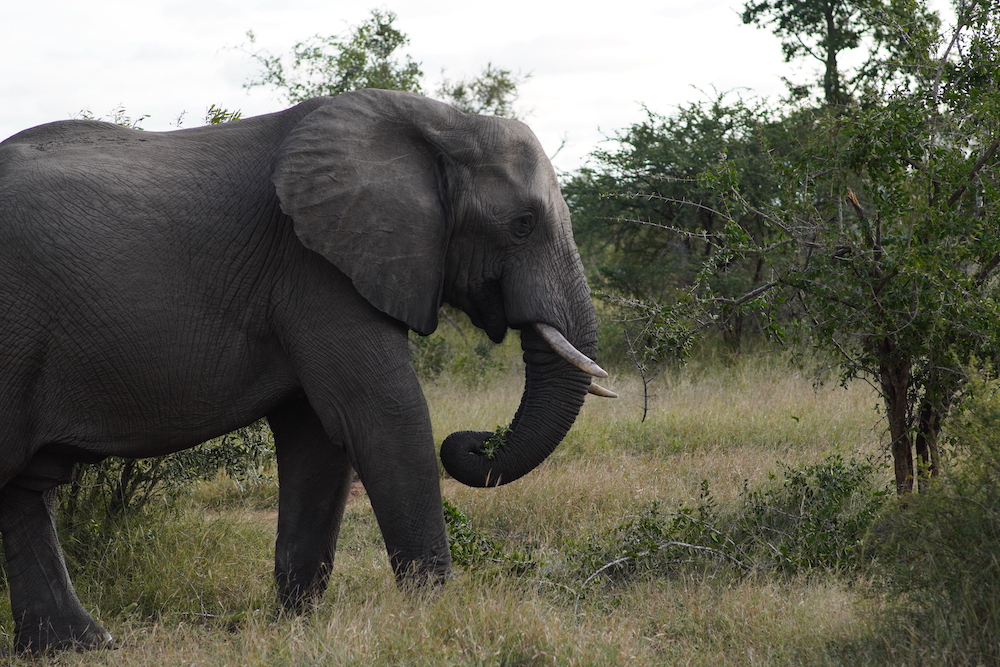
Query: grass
pixel 193 586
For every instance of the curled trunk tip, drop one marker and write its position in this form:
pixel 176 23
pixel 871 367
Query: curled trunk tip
pixel 554 392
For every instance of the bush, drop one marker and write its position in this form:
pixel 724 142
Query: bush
pixel 473 550
pixel 811 517
pixel 819 515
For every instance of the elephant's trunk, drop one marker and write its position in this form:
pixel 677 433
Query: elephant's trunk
pixel 553 394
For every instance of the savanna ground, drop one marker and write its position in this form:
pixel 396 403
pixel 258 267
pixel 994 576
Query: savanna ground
pixel 576 564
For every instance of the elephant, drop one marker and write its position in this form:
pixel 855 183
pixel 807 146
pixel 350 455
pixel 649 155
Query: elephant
pixel 163 288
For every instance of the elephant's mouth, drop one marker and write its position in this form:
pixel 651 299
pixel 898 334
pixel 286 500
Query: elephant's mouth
pixel 485 308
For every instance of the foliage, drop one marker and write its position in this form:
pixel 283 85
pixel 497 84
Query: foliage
pixel 217 115
pixel 119 116
pixel 496 442
pixel 365 58
pixel 880 236
pixel 456 349
pixel 214 115
pixel 368 58
pixel 898 278
pixel 472 549
pixel 647 220
pixel 818 515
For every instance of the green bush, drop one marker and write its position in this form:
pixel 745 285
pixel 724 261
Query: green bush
pixel 457 349
pixel 816 515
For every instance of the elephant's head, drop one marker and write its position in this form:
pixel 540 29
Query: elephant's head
pixel 419 204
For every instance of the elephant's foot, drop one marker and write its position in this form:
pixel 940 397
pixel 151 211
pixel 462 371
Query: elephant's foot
pixel 421 574
pixel 56 634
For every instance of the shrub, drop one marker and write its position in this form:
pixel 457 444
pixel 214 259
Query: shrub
pixel 100 494
pixel 456 349
pixel 818 515
pixel 815 516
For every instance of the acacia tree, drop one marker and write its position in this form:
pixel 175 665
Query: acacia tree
pixel 892 208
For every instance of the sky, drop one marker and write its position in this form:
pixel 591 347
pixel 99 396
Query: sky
pixel 594 65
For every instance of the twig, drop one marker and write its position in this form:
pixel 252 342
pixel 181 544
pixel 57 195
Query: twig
pixel 647 377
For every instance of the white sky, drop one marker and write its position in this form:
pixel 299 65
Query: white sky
pixel 594 63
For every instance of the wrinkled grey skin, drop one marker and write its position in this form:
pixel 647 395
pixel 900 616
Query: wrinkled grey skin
pixel 161 289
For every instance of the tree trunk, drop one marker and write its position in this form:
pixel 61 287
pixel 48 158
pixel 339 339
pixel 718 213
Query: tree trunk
pixel 928 428
pixel 831 75
pixel 894 377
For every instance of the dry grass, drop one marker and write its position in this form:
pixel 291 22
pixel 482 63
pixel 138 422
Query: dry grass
pixel 682 622
pixel 208 594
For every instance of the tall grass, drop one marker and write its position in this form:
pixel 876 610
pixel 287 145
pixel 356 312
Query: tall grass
pixel 193 585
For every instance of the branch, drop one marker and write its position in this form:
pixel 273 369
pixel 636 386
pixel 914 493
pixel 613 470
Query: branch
pixel 863 219
pixel 962 18
pixel 749 296
pixel 987 269
pixel 975 170
pixel 672 200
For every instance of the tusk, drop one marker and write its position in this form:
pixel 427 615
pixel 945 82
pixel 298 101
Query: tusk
pixel 565 349
pixel 598 390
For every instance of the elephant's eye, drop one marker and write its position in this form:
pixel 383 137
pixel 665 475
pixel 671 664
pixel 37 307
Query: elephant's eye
pixel 523 224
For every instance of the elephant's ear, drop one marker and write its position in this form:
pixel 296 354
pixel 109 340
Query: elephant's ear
pixel 361 178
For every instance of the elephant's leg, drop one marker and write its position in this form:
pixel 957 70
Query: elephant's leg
pixel 398 465
pixel 314 478
pixel 372 402
pixel 47 612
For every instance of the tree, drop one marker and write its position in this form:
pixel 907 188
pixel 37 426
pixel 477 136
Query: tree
pixel 649 183
pixel 824 29
pixel 331 65
pixel 367 57
pixel 891 207
pixel 493 92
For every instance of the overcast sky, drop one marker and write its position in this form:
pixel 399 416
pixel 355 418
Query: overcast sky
pixel 593 65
